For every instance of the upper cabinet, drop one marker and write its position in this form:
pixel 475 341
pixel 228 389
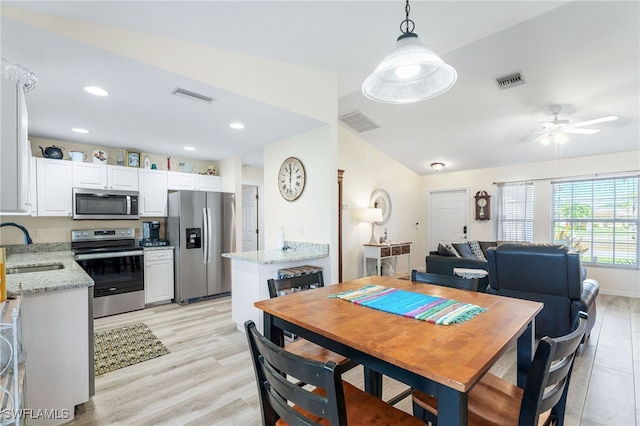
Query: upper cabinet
pixel 153 192
pixel 178 181
pixel 207 183
pixel 99 176
pixel 15 161
pixel 54 184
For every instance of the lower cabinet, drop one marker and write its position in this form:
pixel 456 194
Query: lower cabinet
pixel 158 275
pixel 56 330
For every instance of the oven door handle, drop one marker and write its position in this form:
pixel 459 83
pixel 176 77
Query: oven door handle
pixel 90 256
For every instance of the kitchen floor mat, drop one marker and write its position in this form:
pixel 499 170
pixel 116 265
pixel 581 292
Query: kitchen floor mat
pixel 123 346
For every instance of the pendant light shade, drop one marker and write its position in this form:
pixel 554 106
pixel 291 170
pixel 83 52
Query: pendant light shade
pixel 411 72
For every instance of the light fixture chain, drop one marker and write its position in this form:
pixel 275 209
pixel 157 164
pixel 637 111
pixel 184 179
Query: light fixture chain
pixel 407 29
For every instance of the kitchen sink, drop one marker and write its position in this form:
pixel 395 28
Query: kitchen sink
pixel 34 268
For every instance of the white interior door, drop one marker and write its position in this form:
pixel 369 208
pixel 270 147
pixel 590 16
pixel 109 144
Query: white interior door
pixel 250 228
pixel 448 216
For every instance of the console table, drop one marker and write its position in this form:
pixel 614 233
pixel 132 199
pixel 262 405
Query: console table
pixel 384 251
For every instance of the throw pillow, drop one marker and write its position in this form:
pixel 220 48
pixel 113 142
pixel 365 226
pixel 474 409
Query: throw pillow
pixel 446 249
pixel 464 250
pixel 477 250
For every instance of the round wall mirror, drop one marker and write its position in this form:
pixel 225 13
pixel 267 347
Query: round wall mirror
pixel 380 200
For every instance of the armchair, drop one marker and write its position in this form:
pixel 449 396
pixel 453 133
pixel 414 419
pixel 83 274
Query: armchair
pixel 546 273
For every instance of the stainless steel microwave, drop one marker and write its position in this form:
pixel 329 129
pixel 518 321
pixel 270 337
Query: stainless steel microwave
pixel 105 204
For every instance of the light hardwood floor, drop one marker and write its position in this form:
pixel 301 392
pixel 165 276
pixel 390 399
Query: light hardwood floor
pixel 207 379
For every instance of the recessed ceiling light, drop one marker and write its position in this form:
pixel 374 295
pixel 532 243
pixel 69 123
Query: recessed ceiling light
pixel 95 90
pixel 189 148
pixel 79 130
pixel 236 125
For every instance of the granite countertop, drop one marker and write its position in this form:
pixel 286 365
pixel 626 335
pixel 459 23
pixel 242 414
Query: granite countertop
pixel 295 251
pixel 159 248
pixel 71 276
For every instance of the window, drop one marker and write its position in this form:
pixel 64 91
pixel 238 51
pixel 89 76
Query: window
pixel 515 212
pixel 598 217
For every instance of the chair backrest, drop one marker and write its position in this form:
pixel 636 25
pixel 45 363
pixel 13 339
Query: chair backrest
pixel 283 286
pixel 271 366
pixel 549 374
pixel 445 280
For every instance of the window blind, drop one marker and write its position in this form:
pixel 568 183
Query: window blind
pixel 515 212
pixel 598 217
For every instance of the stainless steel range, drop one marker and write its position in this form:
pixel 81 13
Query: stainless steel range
pixel 116 265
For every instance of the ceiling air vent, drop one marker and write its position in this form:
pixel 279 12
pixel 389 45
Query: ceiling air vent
pixel 192 95
pixel 510 80
pixel 358 121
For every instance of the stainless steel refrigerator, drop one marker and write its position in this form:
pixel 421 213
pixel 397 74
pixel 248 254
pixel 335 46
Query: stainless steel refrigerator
pixel 201 225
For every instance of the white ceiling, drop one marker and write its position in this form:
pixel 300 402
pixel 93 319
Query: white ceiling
pixel 581 55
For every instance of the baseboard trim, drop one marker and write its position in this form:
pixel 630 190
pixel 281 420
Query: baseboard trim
pixel 619 293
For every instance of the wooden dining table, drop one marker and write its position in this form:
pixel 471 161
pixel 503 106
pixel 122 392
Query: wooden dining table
pixel 442 360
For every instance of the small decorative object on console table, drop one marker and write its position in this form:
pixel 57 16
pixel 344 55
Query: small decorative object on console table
pixel 470 273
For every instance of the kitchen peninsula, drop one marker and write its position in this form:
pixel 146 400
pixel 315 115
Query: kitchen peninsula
pixel 250 271
pixel 57 327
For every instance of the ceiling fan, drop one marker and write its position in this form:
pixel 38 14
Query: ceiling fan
pixel 555 130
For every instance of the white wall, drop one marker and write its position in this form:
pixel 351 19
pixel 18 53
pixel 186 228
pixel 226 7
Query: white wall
pixel 612 280
pixel 312 217
pixel 365 169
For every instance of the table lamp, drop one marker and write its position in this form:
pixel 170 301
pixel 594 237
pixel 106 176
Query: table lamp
pixel 373 216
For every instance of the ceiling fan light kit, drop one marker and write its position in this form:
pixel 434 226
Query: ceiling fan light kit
pixel 557 129
pixel 410 73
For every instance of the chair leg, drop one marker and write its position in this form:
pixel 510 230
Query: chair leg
pixel 424 415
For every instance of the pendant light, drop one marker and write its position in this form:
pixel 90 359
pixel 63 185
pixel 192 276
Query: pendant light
pixel 411 72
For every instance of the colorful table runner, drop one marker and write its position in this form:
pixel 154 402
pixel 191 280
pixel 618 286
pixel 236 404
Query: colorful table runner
pixel 409 304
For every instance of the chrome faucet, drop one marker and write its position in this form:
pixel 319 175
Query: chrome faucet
pixel 27 237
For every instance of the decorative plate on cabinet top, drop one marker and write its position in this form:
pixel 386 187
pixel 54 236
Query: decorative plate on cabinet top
pixel 99 156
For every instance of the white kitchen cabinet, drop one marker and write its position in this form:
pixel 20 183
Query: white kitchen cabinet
pixel 56 328
pixel 89 175
pixel 122 178
pixel 178 181
pixel 158 275
pixel 207 183
pixel 100 176
pixel 53 187
pixel 15 167
pixel 153 192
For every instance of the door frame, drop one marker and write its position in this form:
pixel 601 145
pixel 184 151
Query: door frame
pixel 428 211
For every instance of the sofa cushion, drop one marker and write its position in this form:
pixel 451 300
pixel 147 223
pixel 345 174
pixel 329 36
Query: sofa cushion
pixel 446 249
pixel 484 245
pixel 477 250
pixel 464 250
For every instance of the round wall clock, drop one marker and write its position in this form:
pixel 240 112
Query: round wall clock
pixel 291 179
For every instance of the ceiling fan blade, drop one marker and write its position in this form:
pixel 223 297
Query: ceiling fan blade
pixel 595 121
pixel 581 131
